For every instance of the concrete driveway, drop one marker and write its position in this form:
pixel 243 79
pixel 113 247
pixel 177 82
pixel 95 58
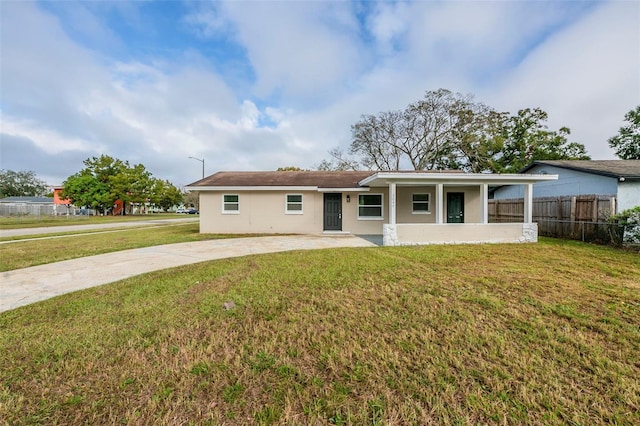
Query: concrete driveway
pixel 24 286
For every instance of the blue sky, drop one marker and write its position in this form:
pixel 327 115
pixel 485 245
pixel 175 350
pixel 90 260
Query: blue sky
pixel 256 85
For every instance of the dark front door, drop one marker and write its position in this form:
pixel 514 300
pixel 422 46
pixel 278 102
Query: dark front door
pixel 455 207
pixel 333 212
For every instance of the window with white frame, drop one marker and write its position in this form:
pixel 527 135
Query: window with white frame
pixel 294 204
pixel 370 206
pixel 230 204
pixel 421 204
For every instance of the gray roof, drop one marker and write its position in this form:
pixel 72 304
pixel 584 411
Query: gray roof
pixel 29 200
pixel 628 169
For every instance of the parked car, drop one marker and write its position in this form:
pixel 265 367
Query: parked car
pixel 192 211
pixel 181 211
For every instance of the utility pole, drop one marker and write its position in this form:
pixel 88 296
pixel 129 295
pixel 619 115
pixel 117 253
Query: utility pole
pixel 202 161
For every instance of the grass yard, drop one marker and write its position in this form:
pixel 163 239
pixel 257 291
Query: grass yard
pixel 22 254
pixel 542 333
pixel 30 221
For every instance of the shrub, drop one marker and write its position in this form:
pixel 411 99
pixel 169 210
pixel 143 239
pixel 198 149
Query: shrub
pixel 630 220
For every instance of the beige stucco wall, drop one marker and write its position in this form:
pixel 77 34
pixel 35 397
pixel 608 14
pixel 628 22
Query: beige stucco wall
pixel 264 212
pixel 404 203
pixel 260 212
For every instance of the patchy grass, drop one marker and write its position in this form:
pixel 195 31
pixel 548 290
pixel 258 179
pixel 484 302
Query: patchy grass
pixel 30 221
pixel 22 254
pixel 482 334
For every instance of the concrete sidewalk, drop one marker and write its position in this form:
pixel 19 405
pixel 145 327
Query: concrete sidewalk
pixel 24 286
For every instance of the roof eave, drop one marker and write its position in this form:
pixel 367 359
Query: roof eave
pixel 250 188
pixel 477 178
pixel 580 169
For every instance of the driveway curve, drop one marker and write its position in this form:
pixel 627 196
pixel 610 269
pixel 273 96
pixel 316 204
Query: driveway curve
pixel 29 285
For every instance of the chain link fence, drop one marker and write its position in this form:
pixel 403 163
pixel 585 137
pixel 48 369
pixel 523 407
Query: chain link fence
pixel 39 211
pixel 605 233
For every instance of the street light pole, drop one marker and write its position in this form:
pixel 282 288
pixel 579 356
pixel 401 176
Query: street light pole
pixel 202 161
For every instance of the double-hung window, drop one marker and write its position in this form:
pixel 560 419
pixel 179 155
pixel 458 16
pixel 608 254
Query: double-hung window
pixel 294 204
pixel 370 206
pixel 421 204
pixel 230 204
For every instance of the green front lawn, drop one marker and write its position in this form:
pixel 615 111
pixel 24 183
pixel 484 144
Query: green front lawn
pixel 22 254
pixel 31 221
pixel 486 334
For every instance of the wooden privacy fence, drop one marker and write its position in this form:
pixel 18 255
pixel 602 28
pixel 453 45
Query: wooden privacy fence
pixel 582 217
pixel 581 208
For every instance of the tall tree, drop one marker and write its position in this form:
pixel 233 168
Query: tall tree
pixel 20 183
pixel 422 135
pixel 377 139
pixel 104 180
pixel 339 161
pixel 92 186
pixel 446 130
pixel 626 143
pixel 526 138
pixel 132 185
pixel 165 195
pixel 477 138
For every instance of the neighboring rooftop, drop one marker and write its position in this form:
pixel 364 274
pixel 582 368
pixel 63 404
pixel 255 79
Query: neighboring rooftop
pixel 628 169
pixel 29 200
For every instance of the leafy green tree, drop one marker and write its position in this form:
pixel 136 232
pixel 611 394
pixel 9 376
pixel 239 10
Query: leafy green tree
pixel 92 186
pixel 104 180
pixel 133 185
pixel 478 141
pixel 626 143
pixel 21 183
pixel 526 138
pixel 165 195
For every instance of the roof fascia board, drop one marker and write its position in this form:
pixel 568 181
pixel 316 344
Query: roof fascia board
pixel 349 189
pixel 582 170
pixel 575 169
pixel 457 178
pixel 251 188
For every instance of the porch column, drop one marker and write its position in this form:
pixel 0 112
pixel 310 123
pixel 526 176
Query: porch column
pixel 392 203
pixel 439 202
pixel 528 203
pixel 484 195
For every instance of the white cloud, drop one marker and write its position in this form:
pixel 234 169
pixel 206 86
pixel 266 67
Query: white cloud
pixel 302 50
pixel 44 138
pixel 586 77
pixel 313 67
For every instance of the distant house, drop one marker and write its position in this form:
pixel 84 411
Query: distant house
pixel 403 207
pixel 22 201
pixel 57 199
pixel 614 178
pixel 20 206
